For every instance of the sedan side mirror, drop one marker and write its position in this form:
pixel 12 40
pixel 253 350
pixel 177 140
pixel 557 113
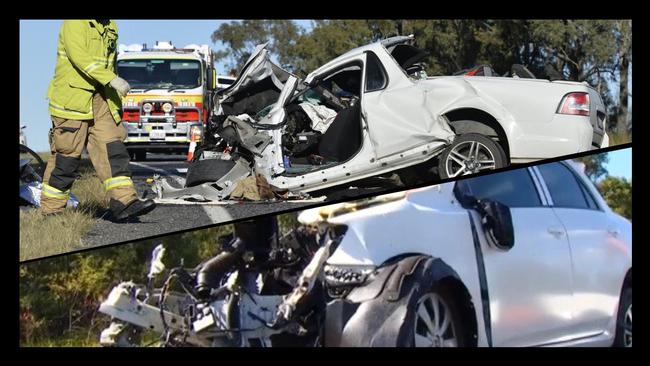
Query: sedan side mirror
pixel 497 223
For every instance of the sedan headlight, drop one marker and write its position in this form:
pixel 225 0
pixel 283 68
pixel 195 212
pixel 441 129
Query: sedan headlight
pixel 345 275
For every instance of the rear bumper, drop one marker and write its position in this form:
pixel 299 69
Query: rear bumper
pixel 604 142
pixel 563 135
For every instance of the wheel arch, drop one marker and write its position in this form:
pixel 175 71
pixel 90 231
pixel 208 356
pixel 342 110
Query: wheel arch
pixel 382 305
pixel 466 120
pixel 444 276
pixel 627 282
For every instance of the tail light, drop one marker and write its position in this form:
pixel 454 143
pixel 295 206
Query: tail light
pixel 575 103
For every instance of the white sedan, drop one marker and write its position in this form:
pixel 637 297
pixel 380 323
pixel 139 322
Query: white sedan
pixel 528 257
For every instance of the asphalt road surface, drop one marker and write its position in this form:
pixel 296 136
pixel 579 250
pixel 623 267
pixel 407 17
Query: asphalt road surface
pixel 172 218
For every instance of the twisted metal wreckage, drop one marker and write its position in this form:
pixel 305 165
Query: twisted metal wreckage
pixel 373 111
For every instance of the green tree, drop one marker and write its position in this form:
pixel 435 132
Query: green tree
pixel 59 297
pixel 452 45
pixel 595 165
pixel 618 194
pixel 331 38
pixel 241 37
pixel 581 50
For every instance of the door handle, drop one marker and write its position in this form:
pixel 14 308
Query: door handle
pixel 556 231
pixel 613 232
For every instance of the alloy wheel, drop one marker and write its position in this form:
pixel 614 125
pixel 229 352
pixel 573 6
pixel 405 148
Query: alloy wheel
pixel 434 323
pixel 469 157
pixel 627 327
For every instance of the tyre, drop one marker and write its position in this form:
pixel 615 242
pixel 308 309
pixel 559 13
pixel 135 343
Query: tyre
pixel 36 162
pixel 624 320
pixel 207 170
pixel 437 320
pixel 470 153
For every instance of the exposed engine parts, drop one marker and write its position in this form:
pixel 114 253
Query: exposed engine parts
pixel 240 297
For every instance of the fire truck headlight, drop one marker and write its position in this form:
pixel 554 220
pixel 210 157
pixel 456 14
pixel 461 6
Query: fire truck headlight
pixel 167 107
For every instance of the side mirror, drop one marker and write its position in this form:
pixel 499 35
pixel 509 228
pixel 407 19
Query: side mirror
pixel 157 266
pixel 497 223
pixel 211 78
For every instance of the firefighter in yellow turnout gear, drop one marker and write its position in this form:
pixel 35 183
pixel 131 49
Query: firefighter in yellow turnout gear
pixel 85 106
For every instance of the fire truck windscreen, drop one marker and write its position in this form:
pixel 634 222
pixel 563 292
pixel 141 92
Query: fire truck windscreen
pixel 160 73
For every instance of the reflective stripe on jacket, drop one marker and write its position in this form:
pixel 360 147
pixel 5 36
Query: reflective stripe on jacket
pixel 85 64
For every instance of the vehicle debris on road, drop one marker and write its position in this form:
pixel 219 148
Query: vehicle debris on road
pixel 31 184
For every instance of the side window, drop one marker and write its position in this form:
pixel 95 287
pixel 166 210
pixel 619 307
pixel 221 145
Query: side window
pixel 590 199
pixel 514 188
pixel 565 188
pixel 375 73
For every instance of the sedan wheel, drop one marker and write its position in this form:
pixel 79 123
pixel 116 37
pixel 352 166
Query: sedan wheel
pixel 623 337
pixel 469 154
pixel 434 323
pixel 627 327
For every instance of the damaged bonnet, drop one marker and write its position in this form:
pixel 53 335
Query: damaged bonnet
pixel 257 86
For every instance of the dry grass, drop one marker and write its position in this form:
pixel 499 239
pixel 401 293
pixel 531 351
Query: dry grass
pixel 88 338
pixel 59 343
pixel 42 236
pixel 619 137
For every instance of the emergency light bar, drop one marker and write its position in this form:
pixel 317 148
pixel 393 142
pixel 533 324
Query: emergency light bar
pixel 202 51
pixel 131 48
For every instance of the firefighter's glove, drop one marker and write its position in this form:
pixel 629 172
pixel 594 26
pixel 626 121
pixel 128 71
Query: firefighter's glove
pixel 121 85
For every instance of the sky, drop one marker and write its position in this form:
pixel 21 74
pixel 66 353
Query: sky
pixel 38 40
pixel 620 163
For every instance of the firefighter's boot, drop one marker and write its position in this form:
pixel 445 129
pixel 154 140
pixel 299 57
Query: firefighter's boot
pixel 111 161
pixel 134 208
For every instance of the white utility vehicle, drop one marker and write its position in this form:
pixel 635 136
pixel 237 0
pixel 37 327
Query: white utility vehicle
pixel 373 111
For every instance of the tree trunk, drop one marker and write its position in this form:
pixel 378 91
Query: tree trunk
pixel 621 117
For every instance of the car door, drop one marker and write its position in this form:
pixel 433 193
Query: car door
pixel 529 285
pixel 599 256
pixel 397 109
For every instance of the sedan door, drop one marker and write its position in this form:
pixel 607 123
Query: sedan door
pixel 529 286
pixel 599 256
